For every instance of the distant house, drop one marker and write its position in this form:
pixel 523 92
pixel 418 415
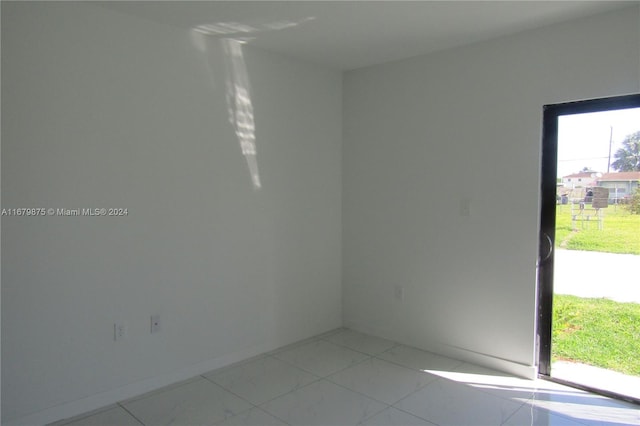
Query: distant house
pixel 580 180
pixel 621 184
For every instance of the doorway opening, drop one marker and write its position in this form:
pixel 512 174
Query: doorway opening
pixel 588 290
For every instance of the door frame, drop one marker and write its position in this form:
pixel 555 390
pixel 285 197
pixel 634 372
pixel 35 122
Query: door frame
pixel 548 179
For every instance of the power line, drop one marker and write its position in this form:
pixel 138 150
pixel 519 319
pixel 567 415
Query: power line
pixel 584 159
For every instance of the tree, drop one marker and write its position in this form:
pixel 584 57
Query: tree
pixel 628 157
pixel 634 202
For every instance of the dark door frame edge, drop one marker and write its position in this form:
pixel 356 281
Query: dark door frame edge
pixel 548 180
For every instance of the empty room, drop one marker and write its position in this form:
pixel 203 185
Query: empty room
pixel 292 213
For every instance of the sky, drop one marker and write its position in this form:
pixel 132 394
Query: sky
pixel 583 139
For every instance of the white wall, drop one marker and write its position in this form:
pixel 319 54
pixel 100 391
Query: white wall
pixel 424 136
pixel 101 109
pixel 105 110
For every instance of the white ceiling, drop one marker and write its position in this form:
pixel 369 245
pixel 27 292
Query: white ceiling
pixel 352 34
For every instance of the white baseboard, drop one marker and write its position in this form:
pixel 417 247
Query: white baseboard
pixel 489 361
pixel 484 360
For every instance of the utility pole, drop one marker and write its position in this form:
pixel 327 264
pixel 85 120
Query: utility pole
pixel 610 142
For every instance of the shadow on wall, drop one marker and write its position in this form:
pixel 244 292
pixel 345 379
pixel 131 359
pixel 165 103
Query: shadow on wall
pixel 232 35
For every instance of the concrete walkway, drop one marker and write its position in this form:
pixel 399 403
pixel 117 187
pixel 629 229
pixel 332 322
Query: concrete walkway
pixel 595 274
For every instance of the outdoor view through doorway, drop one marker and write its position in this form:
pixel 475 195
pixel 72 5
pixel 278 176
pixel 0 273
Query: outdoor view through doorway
pixel 595 336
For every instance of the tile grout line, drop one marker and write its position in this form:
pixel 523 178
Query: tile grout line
pixel 287 393
pixel 273 415
pixel 533 391
pixel 514 413
pixel 317 378
pixel 159 391
pixel 414 415
pixel 374 414
pixel 130 413
pixel 238 364
pixel 252 405
pixel 516 410
pixel 520 405
pixel 68 420
pixel 329 374
pixel 395 344
pixel 361 394
pixel 326 377
pixel 372 358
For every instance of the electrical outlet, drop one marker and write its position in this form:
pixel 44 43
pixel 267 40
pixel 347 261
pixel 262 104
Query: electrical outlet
pixel 119 331
pixel 155 323
pixel 398 292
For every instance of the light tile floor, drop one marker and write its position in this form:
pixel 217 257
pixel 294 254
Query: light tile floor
pixel 349 378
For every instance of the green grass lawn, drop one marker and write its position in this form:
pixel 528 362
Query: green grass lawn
pixel 598 332
pixel 620 233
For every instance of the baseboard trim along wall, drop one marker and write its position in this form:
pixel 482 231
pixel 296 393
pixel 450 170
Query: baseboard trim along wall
pixel 484 360
pixel 504 365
